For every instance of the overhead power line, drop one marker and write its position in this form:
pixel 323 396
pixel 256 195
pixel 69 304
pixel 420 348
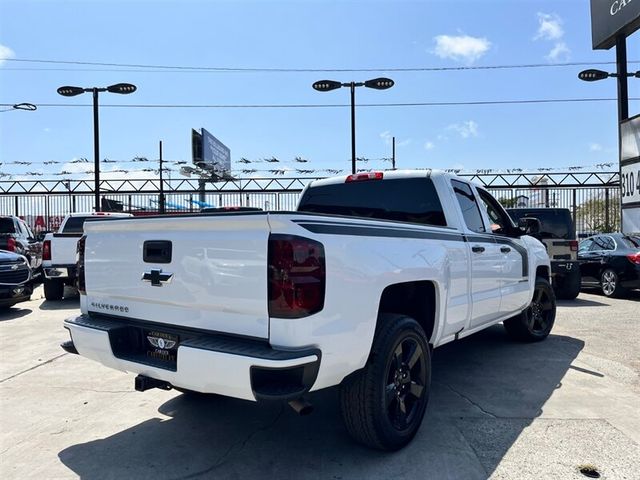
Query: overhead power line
pixel 162 68
pixel 338 105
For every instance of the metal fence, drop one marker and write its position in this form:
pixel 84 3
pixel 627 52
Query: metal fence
pixel 592 197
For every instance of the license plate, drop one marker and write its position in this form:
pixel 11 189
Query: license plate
pixel 161 346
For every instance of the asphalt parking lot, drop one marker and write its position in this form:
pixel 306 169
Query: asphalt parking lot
pixel 498 409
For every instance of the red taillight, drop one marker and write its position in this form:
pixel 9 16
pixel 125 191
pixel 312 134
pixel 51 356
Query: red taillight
pixel 361 177
pixel 634 258
pixel 573 244
pixel 46 250
pixel 11 244
pixel 296 276
pixel 80 264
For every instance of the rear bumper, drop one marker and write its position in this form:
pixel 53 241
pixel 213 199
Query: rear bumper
pixel 205 362
pixel 62 272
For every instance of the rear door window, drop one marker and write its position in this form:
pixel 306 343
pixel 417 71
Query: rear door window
pixel 599 244
pixel 469 206
pixel 74 225
pixel 413 200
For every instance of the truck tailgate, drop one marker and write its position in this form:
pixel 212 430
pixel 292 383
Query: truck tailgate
pixel 63 248
pixel 215 278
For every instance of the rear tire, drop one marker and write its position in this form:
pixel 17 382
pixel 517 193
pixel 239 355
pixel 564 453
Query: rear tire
pixel 567 286
pixel 610 284
pixel 535 322
pixel 53 290
pixel 383 404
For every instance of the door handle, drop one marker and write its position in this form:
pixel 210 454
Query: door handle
pixel 505 249
pixel 477 249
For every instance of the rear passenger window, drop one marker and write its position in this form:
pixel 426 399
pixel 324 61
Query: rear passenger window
pixel 469 206
pixel 413 200
pixel 609 244
pixel 74 225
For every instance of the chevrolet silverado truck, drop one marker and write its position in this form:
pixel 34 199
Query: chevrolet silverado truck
pixel 59 252
pixel 354 289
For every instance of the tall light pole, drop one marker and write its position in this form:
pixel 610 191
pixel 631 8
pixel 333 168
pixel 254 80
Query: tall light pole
pixel 121 88
pixel 593 75
pixel 376 83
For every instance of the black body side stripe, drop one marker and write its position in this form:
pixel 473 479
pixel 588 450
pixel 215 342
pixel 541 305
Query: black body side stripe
pixel 370 231
pixel 389 232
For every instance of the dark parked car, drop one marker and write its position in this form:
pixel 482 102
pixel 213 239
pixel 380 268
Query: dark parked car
pixel 16 236
pixel 610 261
pixel 16 284
pixel 558 234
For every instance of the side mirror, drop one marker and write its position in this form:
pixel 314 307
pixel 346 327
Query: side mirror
pixel 529 226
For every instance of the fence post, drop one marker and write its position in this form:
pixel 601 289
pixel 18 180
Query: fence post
pixel 607 226
pixel 47 213
pixel 16 205
pixel 574 210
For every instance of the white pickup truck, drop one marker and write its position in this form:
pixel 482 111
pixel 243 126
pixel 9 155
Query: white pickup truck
pixel 59 252
pixel 355 288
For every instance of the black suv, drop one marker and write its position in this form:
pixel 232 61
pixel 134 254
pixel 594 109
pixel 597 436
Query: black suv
pixel 16 236
pixel 558 234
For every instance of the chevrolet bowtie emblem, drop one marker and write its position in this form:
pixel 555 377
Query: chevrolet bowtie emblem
pixel 156 277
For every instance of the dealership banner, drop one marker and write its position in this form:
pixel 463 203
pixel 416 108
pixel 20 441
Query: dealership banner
pixel 611 18
pixel 630 174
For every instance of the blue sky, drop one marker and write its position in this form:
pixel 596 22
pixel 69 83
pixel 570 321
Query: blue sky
pixel 307 35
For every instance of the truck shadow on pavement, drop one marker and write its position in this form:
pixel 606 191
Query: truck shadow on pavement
pixel 13 313
pixel 486 390
pixel 580 302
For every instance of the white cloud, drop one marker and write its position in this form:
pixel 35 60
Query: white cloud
pixel 429 145
pixel 386 137
pixel 560 52
pixel 466 129
pixel 595 147
pixel 5 52
pixel 461 48
pixel 549 27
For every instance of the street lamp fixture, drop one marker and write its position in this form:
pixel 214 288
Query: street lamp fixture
pixel 375 83
pixel 593 75
pixel 70 91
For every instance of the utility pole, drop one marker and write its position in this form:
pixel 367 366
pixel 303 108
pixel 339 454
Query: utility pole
pixel 393 153
pixel 161 199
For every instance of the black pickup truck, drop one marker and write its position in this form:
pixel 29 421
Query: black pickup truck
pixel 16 236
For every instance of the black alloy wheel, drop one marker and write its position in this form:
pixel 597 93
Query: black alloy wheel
pixel 406 380
pixel 536 321
pixel 540 312
pixel 384 403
